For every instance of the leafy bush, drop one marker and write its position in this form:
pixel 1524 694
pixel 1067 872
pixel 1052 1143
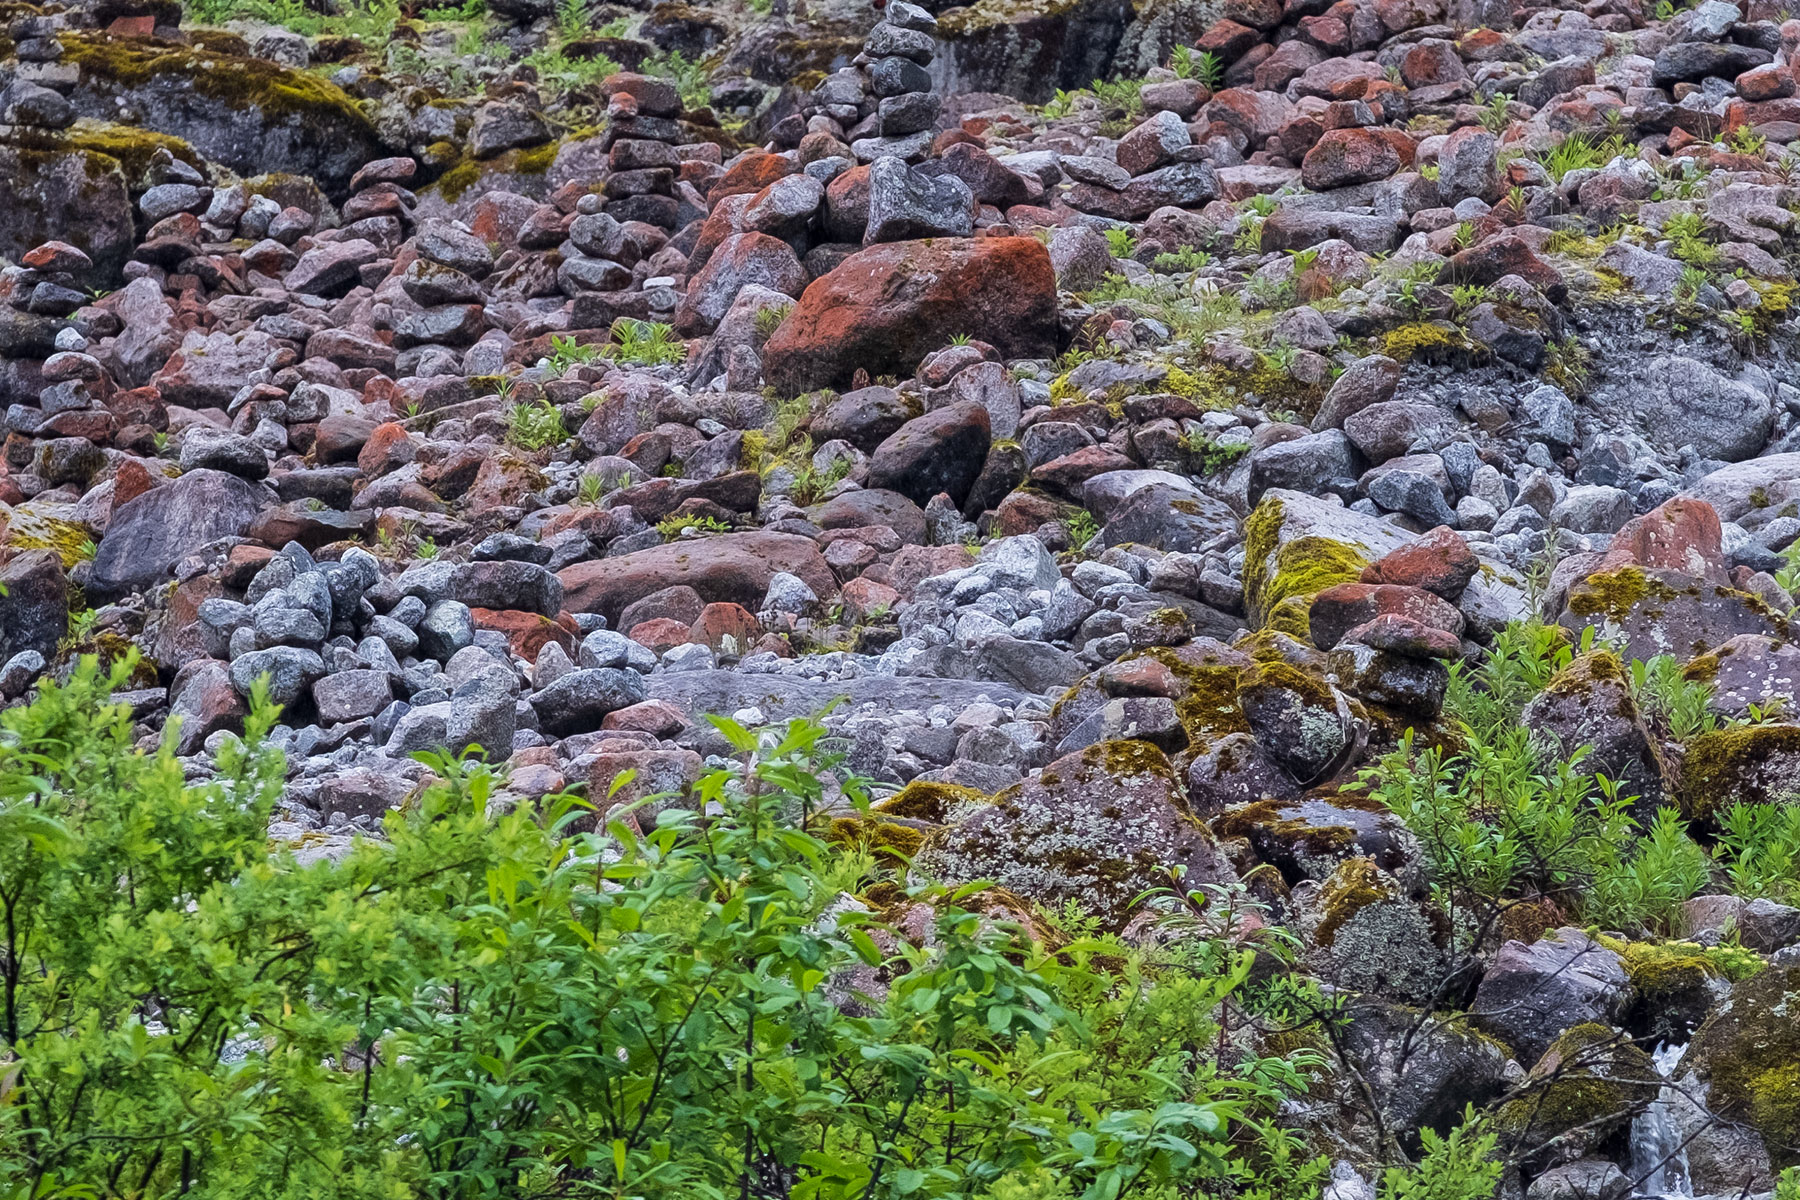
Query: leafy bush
pixel 1462 1166
pixel 490 1003
pixel 1759 848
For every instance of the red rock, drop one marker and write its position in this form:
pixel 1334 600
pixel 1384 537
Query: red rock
pixel 389 448
pixel 1138 677
pixel 1403 635
pixel 883 309
pixel 729 566
pixel 1259 14
pixel 725 620
pixel 658 718
pixel 1508 254
pixel 1328 33
pixel 1433 61
pixel 1766 83
pixel 130 481
pixel 1228 39
pixel 1439 561
pixel 751 175
pixel 1344 157
pixel 660 634
pixel 242 562
pixel 1069 472
pixel 1025 512
pixel 865 598
pixel 1339 609
pixel 1679 535
pixel 527 633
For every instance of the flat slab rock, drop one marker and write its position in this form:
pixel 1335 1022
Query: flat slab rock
pixel 781 697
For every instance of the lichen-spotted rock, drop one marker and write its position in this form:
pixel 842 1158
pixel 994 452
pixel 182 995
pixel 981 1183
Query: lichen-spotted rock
pixel 1098 827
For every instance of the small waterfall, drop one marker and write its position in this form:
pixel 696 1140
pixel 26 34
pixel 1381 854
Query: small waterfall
pixel 1657 1159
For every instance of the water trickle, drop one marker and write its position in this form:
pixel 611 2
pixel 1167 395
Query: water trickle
pixel 1658 1160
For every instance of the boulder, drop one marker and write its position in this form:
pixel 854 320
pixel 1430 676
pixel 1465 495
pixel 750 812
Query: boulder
pixel 1097 827
pixel 150 534
pixel 1534 992
pixel 883 309
pixel 730 566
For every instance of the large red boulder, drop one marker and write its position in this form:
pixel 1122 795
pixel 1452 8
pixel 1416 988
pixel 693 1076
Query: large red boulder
pixel 884 308
pixel 734 567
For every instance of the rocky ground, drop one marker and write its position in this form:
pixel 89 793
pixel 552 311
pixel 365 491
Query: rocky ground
pixel 1130 462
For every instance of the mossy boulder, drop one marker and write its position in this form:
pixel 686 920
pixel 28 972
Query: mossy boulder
pixel 533 171
pixel 51 191
pixel 1751 764
pixel 1309 837
pixel 1029 48
pixel 1655 610
pixel 1579 1099
pixel 1362 929
pixel 1747 1054
pixel 1677 984
pixel 1304 723
pixel 1098 827
pixel 245 113
pixel 1296 546
pixel 1590 703
pixel 1746 670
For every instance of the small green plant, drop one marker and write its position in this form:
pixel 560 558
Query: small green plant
pixel 566 353
pixel 1121 243
pixel 960 339
pixel 534 424
pixel 1569 365
pixel 1462 1166
pixel 768 320
pixel 1082 528
pixel 1578 152
pixel 1494 117
pixel 811 484
pixel 1759 847
pixel 1465 235
pixel 1188 258
pixel 1059 105
pixel 1467 295
pixel 571 18
pixel 674 527
pixel 1693 278
pixel 1213 456
pixel 1430 171
pixel 589 490
pixel 1745 140
pixel 645 344
pixel 1262 204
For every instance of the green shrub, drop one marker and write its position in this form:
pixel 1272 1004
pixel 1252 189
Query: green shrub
pixel 488 1003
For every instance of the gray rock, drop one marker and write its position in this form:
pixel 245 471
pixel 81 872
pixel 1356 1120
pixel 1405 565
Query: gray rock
pixel 351 695
pixel 447 627
pixel 905 203
pixel 291 671
pixel 577 701
pixel 1534 993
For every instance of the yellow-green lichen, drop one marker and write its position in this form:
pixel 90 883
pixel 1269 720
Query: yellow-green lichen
pixel 1297 570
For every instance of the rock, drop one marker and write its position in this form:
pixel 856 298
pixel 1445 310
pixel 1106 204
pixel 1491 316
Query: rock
pixel 1296 546
pixel 735 567
pixel 942 451
pixel 1533 993
pixel 149 534
pixel 1303 722
pixel 204 700
pixel 1424 1073
pixel 1343 157
pixel 1368 381
pixel 742 260
pixel 1440 562
pixel 1662 611
pixel 578 701
pixel 1364 932
pixel 351 695
pixel 1679 401
pixel 34 604
pixel 206 448
pixel 907 203
pixel 1590 703
pixel 242 113
pixel 884 308
pixel 1097 827
pixel 1748 765
pixel 290 670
